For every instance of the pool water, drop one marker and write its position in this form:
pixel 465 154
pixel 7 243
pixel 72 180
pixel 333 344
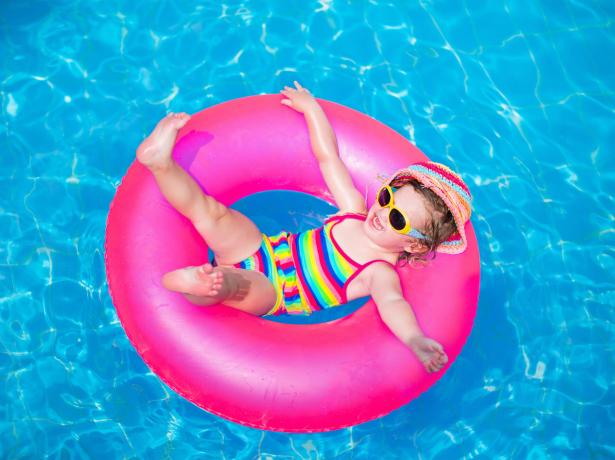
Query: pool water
pixel 516 96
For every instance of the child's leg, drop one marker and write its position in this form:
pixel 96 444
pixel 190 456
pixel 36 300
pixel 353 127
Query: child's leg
pixel 230 235
pixel 245 290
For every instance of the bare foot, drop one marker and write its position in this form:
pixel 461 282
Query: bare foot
pixel 430 353
pixel 155 150
pixel 204 280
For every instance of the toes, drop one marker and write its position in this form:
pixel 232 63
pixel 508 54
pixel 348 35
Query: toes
pixel 204 271
pixel 207 267
pixel 434 365
pixel 181 120
pixel 179 116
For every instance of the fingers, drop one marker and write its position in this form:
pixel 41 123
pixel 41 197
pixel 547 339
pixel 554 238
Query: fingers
pixel 301 88
pixel 176 114
pixel 287 92
pixel 294 95
pixel 433 366
pixel 436 363
pixel 298 88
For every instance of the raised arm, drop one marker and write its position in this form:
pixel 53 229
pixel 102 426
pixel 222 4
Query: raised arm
pixel 397 314
pixel 324 146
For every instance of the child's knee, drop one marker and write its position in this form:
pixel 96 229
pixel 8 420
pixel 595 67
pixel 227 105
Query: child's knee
pixel 208 213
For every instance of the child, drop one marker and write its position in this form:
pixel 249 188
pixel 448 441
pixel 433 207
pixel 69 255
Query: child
pixel 420 210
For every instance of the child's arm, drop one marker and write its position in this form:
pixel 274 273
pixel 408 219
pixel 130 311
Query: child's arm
pixel 324 146
pixel 397 314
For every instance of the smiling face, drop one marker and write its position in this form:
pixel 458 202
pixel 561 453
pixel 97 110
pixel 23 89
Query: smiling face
pixel 379 230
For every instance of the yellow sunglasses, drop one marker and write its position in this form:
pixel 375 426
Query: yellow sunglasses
pixel 398 220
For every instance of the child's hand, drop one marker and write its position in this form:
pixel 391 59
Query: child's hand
pixel 299 99
pixel 430 352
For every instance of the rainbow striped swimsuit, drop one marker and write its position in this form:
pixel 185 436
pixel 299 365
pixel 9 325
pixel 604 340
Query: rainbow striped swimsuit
pixel 309 270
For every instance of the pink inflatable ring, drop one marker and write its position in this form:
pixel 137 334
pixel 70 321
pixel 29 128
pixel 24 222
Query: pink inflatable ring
pixel 247 369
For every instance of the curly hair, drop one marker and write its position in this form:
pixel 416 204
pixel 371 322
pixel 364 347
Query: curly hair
pixel 439 228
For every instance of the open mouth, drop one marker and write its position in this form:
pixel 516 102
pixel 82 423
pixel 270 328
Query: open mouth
pixel 377 224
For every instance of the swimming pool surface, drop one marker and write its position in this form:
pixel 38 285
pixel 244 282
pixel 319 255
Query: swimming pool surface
pixel 517 96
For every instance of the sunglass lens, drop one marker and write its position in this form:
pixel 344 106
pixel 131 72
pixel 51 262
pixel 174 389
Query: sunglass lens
pixel 384 197
pixel 397 220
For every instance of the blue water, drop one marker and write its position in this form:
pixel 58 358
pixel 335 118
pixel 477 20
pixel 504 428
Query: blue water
pixel 517 96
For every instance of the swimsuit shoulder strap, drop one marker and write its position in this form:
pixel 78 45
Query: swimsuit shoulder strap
pixel 359 267
pixel 360 270
pixel 344 216
pixel 336 220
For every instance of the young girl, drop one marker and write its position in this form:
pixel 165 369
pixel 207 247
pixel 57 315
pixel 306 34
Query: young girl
pixel 420 210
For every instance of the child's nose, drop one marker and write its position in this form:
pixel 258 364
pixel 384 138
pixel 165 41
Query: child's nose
pixel 384 218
